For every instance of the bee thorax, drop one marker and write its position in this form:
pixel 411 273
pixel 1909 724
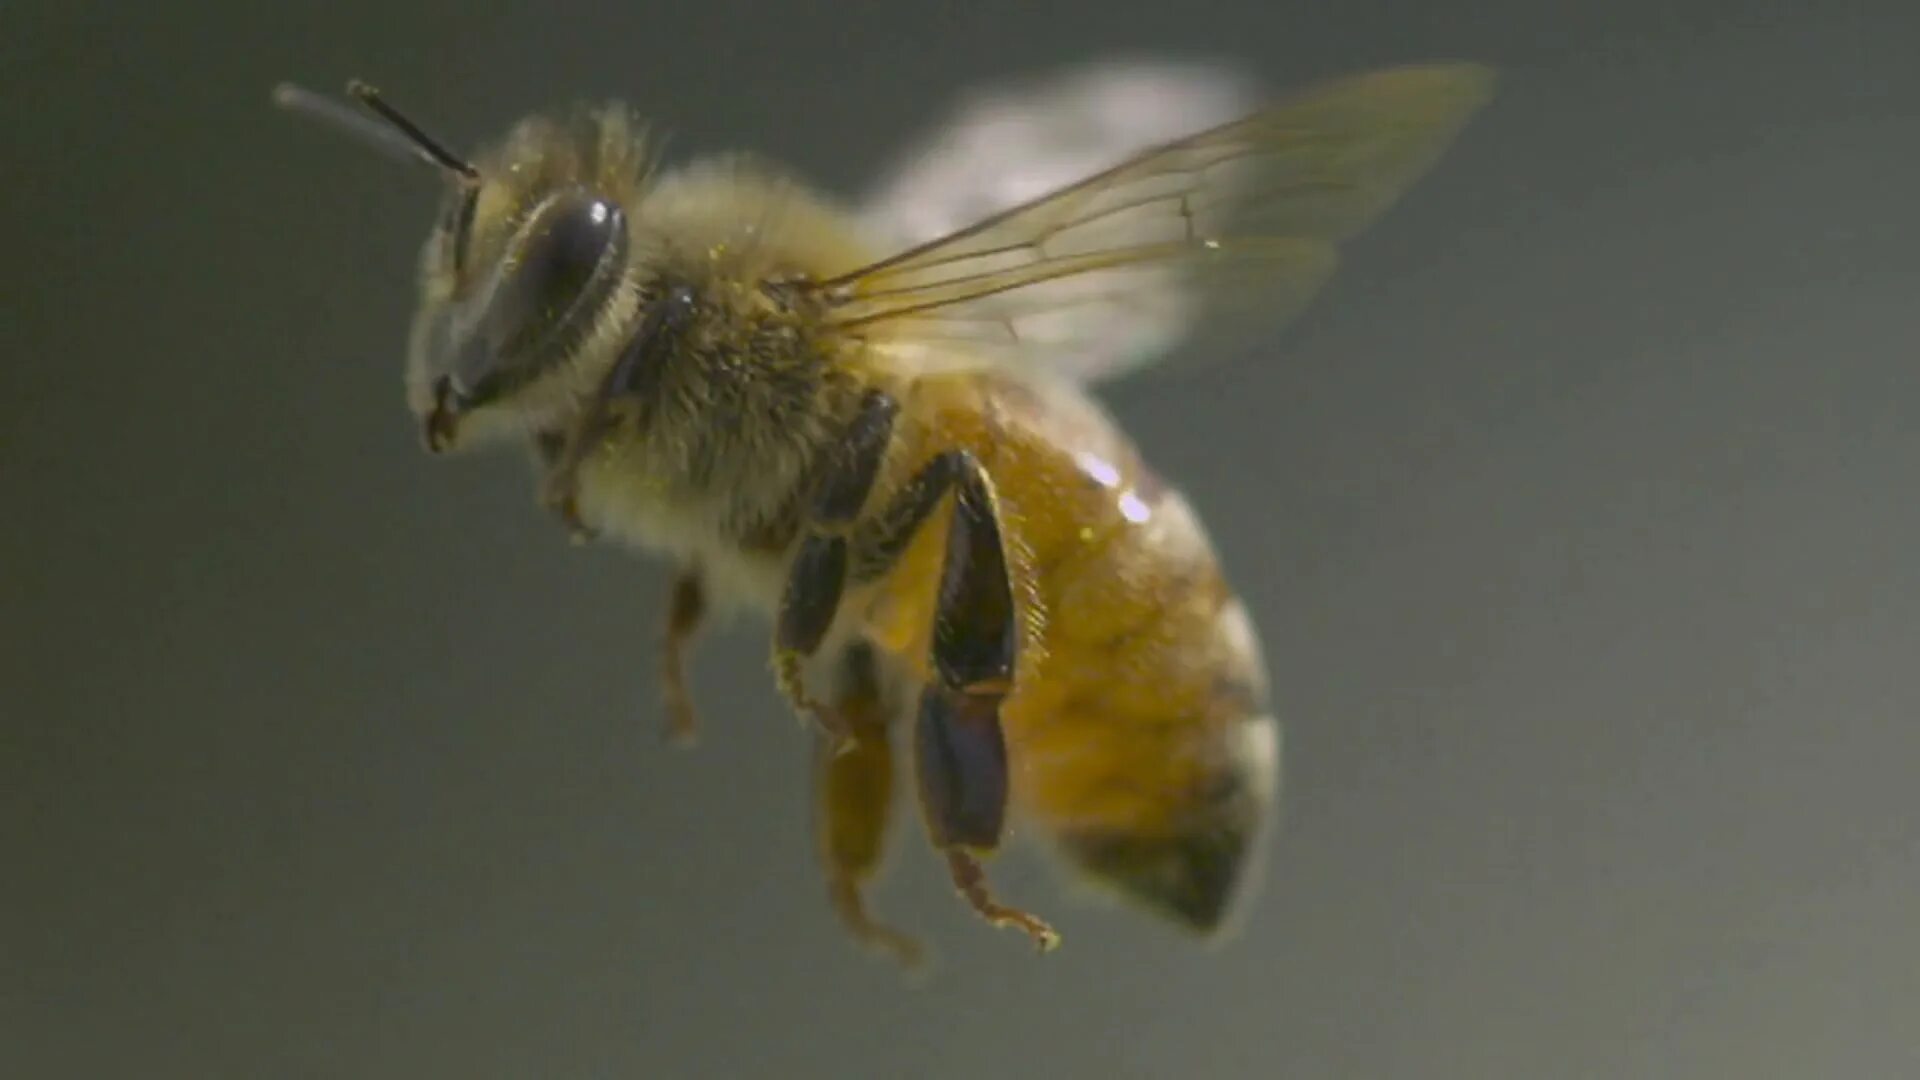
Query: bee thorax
pixel 712 464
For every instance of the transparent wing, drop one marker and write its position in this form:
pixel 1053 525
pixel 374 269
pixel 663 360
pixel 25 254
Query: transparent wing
pixel 1244 217
pixel 1007 143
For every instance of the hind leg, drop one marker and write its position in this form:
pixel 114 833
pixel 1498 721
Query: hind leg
pixel 959 748
pixel 855 793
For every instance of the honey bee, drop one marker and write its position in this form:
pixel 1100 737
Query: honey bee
pixel 893 453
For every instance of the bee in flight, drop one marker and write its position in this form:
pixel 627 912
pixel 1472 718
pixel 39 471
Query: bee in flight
pixel 891 451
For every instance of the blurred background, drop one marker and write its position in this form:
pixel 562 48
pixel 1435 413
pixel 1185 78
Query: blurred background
pixel 1577 516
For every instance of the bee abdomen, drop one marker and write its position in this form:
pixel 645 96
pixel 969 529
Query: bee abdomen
pixel 1195 867
pixel 1191 877
pixel 1199 769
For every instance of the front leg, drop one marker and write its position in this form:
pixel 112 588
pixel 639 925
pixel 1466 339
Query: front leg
pixel 685 612
pixel 818 575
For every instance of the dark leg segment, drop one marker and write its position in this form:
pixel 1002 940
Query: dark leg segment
pixel 824 563
pixel 855 792
pixel 684 614
pixel 962 762
pixel 812 596
pixel 885 538
pixel 819 572
pixel 960 750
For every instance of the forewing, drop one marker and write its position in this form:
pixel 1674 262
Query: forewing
pixel 1241 219
pixel 1008 143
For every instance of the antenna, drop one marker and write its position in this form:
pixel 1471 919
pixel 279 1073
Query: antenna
pixel 388 130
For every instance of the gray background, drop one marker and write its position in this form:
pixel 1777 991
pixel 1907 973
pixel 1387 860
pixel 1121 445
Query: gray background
pixel 1578 516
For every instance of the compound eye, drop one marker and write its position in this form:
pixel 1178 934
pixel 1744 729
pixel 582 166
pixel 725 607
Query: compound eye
pixel 564 247
pixel 542 297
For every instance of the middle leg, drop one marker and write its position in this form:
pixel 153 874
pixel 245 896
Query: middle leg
pixel 818 574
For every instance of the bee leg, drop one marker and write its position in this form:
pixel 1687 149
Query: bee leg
pixel 959 748
pixel 684 613
pixel 819 571
pixel 807 608
pixel 855 792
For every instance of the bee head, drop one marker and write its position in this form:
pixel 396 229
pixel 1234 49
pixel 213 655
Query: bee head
pixel 526 264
